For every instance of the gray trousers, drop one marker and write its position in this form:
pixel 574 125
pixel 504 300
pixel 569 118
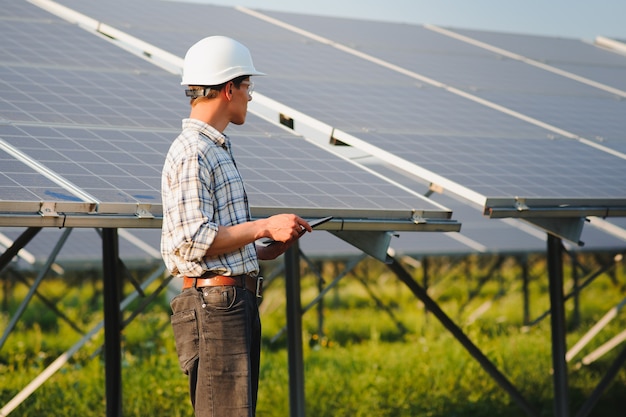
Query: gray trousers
pixel 218 337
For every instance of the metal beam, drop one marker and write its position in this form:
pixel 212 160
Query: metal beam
pixel 603 385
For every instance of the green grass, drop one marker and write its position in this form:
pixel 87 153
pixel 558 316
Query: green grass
pixel 377 354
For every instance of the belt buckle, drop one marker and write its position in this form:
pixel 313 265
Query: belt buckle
pixel 259 287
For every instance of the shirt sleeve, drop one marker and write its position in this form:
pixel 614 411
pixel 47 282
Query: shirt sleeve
pixel 194 230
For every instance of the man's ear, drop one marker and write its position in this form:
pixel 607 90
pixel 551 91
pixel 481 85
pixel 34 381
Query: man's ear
pixel 228 90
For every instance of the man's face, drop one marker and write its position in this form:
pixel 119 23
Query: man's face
pixel 240 99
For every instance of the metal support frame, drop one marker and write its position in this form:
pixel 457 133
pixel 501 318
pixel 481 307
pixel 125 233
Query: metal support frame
pixel 112 270
pixel 294 333
pixel 557 318
pixel 487 365
pixel 112 322
pixel 21 241
pixel 558 337
pixel 374 244
pixel 603 384
pixel 557 310
pixel 586 281
pixel 349 266
pixel 114 326
pixel 64 357
pixel 523 263
pixel 33 288
pixel 559 346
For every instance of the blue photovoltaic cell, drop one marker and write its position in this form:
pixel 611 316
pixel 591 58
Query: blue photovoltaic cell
pixel 87 97
pixel 349 94
pixel 284 176
pixel 110 165
pixel 124 166
pixel 593 118
pixel 19 182
pixel 174 23
pixel 403 43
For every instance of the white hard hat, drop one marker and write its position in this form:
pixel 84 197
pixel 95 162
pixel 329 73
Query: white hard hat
pixel 216 60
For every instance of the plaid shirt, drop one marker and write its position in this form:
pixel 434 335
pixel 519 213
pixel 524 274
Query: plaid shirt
pixel 201 188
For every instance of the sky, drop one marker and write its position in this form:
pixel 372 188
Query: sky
pixel 580 19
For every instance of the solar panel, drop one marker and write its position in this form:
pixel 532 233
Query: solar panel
pixel 278 172
pixel 111 165
pixel 97 124
pixel 302 78
pixel 528 168
pixel 418 98
pixel 524 167
pixel 494 235
pixel 549 97
pixel 572 55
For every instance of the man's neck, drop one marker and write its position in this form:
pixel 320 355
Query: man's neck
pixel 210 112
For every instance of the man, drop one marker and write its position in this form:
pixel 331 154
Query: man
pixel 209 240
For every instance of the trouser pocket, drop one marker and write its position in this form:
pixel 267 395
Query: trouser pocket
pixel 185 326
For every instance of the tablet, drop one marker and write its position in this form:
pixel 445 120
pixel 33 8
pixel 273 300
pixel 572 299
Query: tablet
pixel 317 222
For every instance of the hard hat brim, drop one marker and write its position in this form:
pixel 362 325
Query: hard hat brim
pixel 224 80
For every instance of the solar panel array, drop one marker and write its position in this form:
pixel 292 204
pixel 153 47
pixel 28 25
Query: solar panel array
pixel 493 152
pixel 503 76
pixel 112 148
pixel 495 125
pixel 85 125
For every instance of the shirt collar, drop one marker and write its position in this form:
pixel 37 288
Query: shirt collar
pixel 208 131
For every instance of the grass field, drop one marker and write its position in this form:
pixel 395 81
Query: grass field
pixel 370 350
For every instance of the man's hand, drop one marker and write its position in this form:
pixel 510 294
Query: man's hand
pixel 285 227
pixel 284 230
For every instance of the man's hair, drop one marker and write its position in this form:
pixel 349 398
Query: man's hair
pixel 212 89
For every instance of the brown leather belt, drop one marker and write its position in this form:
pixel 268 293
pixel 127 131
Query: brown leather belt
pixel 252 284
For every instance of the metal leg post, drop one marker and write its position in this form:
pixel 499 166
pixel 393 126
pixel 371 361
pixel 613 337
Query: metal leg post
pixel 294 332
pixel 557 307
pixel 112 323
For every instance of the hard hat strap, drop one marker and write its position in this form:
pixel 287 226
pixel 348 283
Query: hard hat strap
pixel 200 92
